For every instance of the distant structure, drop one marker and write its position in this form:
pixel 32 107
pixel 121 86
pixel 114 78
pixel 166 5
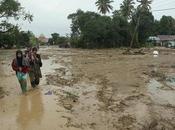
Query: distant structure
pixel 43 39
pixel 163 40
pixel 65 45
pixel 155 40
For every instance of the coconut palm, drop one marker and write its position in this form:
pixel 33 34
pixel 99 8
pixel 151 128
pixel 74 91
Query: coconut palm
pixel 144 4
pixel 127 8
pixel 104 6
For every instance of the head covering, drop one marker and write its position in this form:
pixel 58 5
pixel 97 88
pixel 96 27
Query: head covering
pixel 19 60
pixel 34 49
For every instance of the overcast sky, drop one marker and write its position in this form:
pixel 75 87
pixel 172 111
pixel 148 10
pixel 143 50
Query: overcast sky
pixel 51 15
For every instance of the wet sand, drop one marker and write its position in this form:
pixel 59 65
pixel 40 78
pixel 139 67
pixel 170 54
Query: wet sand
pixel 92 90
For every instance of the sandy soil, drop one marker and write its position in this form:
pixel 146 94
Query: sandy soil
pixel 92 90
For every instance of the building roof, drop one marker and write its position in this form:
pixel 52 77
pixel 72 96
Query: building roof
pixel 43 39
pixel 166 37
pixel 152 38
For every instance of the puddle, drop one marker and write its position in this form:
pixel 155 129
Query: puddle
pixel 32 112
pixel 160 96
pixel 170 80
pixel 48 68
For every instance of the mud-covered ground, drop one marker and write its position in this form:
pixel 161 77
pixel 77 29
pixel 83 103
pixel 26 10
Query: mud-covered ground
pixel 92 90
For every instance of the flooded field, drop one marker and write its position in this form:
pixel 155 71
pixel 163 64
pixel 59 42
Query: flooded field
pixel 92 90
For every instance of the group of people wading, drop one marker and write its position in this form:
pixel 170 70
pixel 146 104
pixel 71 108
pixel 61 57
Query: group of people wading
pixel 25 64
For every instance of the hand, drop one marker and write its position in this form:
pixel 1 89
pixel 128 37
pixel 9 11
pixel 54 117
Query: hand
pixel 33 57
pixel 20 69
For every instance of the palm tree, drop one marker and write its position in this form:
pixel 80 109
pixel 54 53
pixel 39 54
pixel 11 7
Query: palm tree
pixel 104 6
pixel 144 5
pixel 127 8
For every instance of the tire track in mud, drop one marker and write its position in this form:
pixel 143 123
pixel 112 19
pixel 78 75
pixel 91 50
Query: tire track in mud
pixel 95 102
pixel 1 93
pixel 104 105
pixel 122 119
pixel 153 121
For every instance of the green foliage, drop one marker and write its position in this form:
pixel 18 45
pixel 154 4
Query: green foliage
pixel 127 8
pixel 104 6
pixel 12 9
pixel 50 41
pixel 167 25
pixel 140 31
pixel 15 37
pixel 121 31
pixel 128 27
pixel 10 34
pixel 145 26
pixel 33 41
pixel 96 31
pixel 145 5
pixel 62 40
pixel 57 39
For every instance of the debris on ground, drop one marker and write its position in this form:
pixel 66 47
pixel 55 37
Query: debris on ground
pixel 1 93
pixel 48 93
pixel 96 89
pixel 134 52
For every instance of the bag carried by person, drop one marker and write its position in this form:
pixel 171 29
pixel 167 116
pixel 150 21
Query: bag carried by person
pixel 21 76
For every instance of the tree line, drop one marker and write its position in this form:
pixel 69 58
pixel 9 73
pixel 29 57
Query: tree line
pixel 56 39
pixel 11 35
pixel 127 27
pixel 130 26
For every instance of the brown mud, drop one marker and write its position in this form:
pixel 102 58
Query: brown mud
pixel 92 90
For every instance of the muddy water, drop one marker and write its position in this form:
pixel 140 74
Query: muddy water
pixel 159 95
pixel 92 90
pixel 36 111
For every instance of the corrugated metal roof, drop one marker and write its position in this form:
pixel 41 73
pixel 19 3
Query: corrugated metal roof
pixel 166 37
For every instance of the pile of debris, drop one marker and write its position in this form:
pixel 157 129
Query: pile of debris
pixel 134 52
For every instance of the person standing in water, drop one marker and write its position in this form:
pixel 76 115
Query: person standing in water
pixel 35 65
pixel 21 66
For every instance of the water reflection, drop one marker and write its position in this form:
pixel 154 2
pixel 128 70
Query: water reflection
pixel 30 110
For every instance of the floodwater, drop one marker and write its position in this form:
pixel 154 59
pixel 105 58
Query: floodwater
pixel 91 90
pixel 159 95
pixel 31 112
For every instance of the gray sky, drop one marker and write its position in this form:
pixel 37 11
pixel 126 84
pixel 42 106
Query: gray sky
pixel 51 15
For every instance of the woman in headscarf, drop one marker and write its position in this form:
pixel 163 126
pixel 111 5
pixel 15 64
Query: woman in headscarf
pixel 35 65
pixel 21 66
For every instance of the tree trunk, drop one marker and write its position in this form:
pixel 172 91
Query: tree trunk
pixel 135 31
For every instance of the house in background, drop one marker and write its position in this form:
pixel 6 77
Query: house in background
pixel 42 39
pixel 167 40
pixel 154 40
pixel 162 40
